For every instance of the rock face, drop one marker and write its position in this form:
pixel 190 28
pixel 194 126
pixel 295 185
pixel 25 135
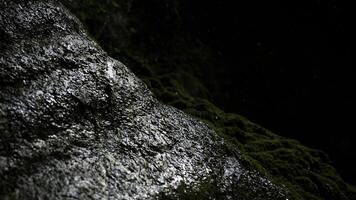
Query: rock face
pixel 77 124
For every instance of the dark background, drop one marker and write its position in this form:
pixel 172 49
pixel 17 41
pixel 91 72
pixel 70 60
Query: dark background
pixel 287 65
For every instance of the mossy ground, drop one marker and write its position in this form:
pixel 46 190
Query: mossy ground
pixel 173 76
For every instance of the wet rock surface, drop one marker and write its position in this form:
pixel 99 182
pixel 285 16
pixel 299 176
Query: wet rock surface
pixel 77 124
pixel 161 52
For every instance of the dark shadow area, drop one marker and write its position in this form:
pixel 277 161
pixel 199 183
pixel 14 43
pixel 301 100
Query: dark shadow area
pixel 288 66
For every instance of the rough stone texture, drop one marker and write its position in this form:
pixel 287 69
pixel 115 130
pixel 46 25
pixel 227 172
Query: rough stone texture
pixel 77 124
pixel 159 48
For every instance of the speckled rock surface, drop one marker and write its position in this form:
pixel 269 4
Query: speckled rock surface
pixel 77 124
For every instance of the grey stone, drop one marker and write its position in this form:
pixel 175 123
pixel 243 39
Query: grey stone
pixel 77 124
